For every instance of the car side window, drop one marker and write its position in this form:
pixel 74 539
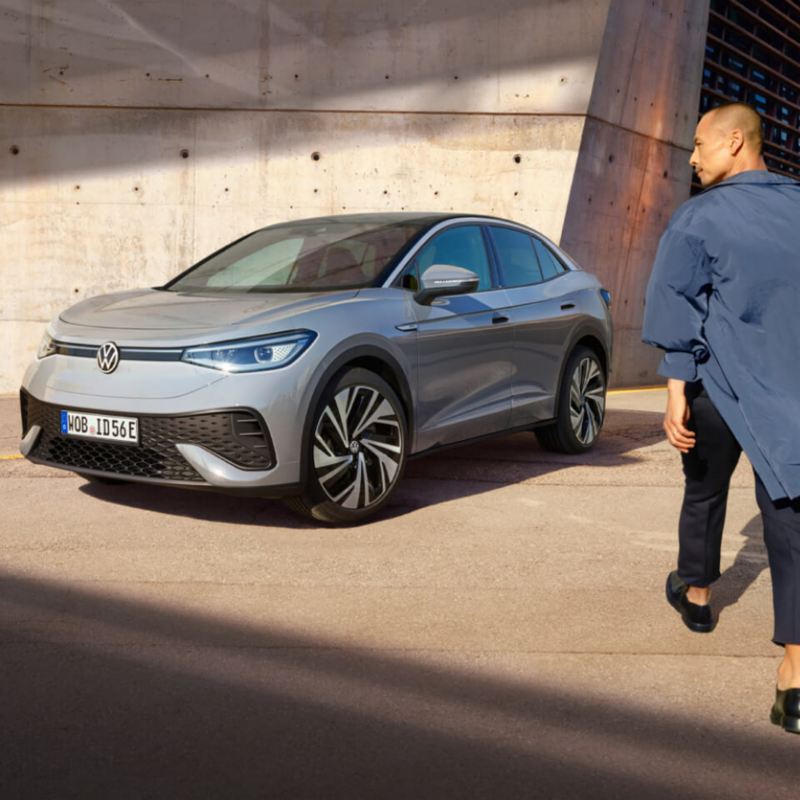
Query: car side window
pixel 551 266
pixel 462 246
pixel 519 265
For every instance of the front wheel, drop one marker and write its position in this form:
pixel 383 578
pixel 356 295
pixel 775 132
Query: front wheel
pixel 581 405
pixel 357 451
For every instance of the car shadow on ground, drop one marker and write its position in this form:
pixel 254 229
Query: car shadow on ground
pixel 456 472
pixel 106 696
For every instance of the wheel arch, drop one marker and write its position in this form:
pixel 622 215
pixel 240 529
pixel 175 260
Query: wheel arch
pixel 594 344
pixel 367 357
pixel 586 336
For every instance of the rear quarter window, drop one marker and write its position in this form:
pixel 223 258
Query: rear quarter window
pixel 550 264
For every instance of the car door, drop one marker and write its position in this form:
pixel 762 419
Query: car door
pixel 541 320
pixel 464 344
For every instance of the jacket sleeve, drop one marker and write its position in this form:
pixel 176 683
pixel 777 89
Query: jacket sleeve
pixel 678 365
pixel 676 303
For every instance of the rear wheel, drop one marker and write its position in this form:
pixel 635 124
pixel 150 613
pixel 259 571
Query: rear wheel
pixel 581 405
pixel 357 451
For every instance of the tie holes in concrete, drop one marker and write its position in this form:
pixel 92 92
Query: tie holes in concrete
pixel 517 159
pixel 315 156
pixel 184 153
pixel 14 150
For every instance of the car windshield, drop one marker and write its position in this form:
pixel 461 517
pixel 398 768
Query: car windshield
pixel 305 256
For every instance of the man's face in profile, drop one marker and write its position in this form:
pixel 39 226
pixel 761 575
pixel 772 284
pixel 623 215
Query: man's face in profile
pixel 711 157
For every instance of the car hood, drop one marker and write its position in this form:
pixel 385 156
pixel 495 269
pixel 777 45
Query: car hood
pixel 156 312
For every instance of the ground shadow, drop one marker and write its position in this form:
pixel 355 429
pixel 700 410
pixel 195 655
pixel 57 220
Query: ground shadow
pixel 109 697
pixel 448 475
pixel 750 562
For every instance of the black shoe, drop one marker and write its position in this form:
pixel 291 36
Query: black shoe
pixel 696 618
pixel 786 711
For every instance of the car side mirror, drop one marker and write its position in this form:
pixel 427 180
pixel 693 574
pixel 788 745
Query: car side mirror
pixel 440 280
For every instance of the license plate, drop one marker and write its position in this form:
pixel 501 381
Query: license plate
pixel 100 426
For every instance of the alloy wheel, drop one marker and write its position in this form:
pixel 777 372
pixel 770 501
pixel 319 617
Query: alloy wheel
pixel 358 447
pixel 587 400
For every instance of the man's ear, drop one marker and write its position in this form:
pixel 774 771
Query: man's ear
pixel 735 141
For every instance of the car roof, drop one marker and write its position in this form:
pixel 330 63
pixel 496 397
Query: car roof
pixel 388 218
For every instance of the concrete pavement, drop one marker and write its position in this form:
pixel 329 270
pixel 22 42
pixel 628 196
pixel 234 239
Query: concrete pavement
pixel 500 631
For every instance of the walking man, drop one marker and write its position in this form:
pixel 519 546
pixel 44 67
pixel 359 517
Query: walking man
pixel 723 302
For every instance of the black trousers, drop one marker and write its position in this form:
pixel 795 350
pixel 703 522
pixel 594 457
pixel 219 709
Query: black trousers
pixel 707 468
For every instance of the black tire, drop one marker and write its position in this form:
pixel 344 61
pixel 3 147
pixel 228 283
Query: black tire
pixel 579 418
pixel 352 476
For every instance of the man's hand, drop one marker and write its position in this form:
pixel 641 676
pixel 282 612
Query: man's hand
pixel 676 417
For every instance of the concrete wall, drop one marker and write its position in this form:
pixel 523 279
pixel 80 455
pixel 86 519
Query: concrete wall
pixel 419 106
pixel 633 167
pixel 137 136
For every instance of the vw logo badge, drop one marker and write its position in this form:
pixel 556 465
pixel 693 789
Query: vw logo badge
pixel 108 357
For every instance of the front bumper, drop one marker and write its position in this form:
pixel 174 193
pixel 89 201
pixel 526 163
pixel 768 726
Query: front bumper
pixel 164 391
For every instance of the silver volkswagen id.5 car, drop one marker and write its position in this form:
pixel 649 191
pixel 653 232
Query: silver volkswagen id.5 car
pixel 310 359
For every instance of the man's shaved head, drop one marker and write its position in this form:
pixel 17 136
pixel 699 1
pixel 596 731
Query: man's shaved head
pixel 731 116
pixel 727 140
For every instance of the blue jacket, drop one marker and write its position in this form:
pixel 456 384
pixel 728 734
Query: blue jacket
pixel 724 302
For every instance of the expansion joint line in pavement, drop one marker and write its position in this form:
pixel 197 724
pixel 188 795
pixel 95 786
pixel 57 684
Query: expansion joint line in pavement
pixel 638 389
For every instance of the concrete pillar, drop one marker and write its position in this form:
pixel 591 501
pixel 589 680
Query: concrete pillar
pixel 633 166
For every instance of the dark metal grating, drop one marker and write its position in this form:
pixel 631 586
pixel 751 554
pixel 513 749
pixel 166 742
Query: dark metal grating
pixel 752 55
pixel 239 437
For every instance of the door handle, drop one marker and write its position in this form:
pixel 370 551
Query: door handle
pixel 567 306
pixel 498 318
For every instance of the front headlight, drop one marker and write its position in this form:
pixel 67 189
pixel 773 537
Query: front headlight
pixel 46 347
pixel 251 355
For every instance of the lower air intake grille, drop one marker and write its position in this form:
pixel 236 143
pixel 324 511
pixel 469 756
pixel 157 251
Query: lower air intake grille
pixel 239 437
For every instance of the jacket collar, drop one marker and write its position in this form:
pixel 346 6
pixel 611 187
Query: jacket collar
pixel 753 176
